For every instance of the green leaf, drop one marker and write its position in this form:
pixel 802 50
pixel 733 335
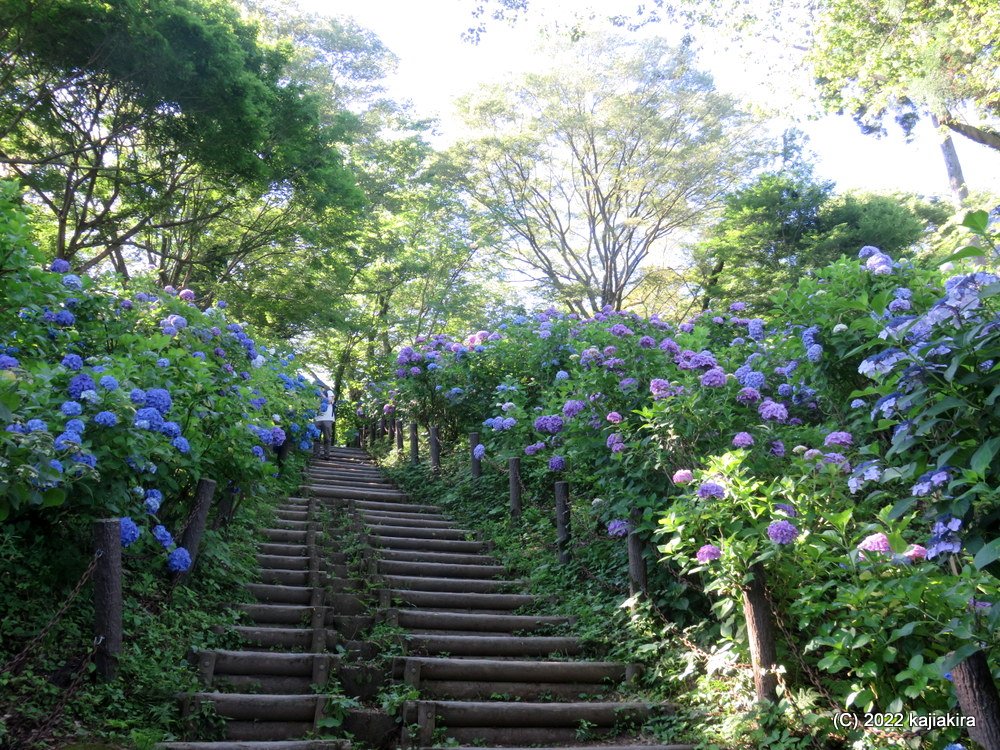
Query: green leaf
pixel 53 497
pixel 977 221
pixel 983 458
pixel 901 508
pixel 969 251
pixel 987 554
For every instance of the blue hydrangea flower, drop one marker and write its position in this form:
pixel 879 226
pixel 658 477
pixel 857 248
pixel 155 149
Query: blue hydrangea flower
pixel 163 536
pixel 179 560
pixel 106 418
pixel 163 361
pixel 479 452
pixel 159 399
pixel 36 425
pixel 108 383
pixel 129 531
pixel 56 464
pixel 71 408
pixel 59 265
pixel 64 318
pixel 72 362
pixel 258 451
pixel 71 281
pixel 153 500
pixel 137 396
pixel 80 383
pixel 148 419
pixel 181 444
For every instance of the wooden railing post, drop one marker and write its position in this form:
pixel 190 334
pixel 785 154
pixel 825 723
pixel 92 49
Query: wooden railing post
pixel 435 441
pixel 108 596
pixel 476 465
pixel 562 521
pixel 760 634
pixel 399 434
pixel 514 474
pixel 414 445
pixel 636 562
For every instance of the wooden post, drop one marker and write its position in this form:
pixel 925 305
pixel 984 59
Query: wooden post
pixel 191 538
pixel 562 521
pixel 414 445
pixel 514 474
pixel 760 633
pixel 399 434
pixel 435 440
pixel 108 596
pixel 476 465
pixel 978 699
pixel 636 561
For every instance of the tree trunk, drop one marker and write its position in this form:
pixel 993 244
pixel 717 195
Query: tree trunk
pixel 977 697
pixel 956 179
pixel 760 633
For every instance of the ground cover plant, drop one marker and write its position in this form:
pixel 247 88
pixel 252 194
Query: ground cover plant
pixel 116 398
pixel 842 449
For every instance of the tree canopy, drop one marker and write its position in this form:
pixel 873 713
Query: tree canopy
pixel 588 168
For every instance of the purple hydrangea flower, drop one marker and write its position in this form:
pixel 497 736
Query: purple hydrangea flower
pixel 619 528
pixel 843 439
pixel 707 553
pixel 782 532
pixel 570 409
pixel 614 417
pixel 711 489
pixel 788 510
pixel 714 378
pixel 748 395
pixel 743 440
pixel 557 463
pixel 187 295
pixel 531 450
pixel 772 411
pixel 777 448
pixel 551 423
pixel 661 388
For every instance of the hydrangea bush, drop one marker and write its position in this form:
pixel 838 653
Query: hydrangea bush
pixel 847 442
pixel 115 401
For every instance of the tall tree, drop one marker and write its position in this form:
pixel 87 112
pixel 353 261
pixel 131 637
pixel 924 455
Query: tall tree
pixel 782 225
pixel 112 110
pixel 590 167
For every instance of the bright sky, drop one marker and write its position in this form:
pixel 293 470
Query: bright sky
pixel 436 66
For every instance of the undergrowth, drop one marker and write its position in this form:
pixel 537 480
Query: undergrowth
pixel 163 623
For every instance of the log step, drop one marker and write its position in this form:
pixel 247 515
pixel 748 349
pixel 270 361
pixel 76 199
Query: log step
pixel 459 600
pixel 263 708
pixel 417 619
pixel 412 532
pixel 277 745
pixel 438 570
pixel 436 545
pixel 455 585
pixel 486 645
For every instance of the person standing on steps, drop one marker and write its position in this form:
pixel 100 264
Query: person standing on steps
pixel 324 421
